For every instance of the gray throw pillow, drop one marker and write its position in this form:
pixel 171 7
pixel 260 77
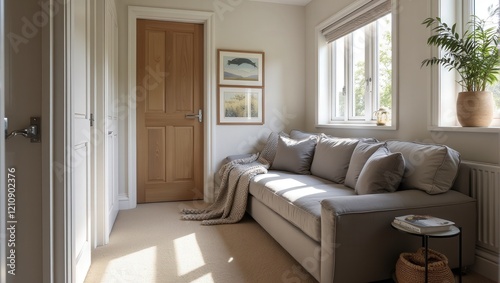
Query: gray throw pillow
pixel 331 158
pixel 382 173
pixel 300 135
pixel 360 155
pixel 294 155
pixel 269 151
pixel 429 167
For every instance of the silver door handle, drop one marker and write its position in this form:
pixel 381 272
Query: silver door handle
pixel 32 131
pixel 194 116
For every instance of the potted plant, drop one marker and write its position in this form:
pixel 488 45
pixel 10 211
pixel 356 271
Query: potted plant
pixel 475 55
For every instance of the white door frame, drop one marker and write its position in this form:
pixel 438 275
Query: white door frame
pixel 58 217
pixel 207 18
pixel 3 270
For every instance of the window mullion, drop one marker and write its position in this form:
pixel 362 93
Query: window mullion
pixel 375 103
pixel 369 71
pixel 332 82
pixel 349 80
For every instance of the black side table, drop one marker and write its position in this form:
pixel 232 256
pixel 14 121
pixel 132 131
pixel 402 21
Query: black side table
pixel 454 231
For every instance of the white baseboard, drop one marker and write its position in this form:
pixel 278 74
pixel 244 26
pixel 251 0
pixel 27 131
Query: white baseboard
pixel 126 203
pixel 487 265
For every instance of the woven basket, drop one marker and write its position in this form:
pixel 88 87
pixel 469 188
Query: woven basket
pixel 410 267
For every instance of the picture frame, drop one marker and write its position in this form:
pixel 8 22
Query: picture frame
pixel 240 106
pixel 240 68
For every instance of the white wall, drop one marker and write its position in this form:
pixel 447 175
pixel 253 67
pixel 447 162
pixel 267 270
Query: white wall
pixel 414 85
pixel 276 29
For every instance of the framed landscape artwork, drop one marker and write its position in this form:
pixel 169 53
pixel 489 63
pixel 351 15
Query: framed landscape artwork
pixel 241 68
pixel 240 105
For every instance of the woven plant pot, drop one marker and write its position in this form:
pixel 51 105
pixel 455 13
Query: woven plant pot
pixel 410 267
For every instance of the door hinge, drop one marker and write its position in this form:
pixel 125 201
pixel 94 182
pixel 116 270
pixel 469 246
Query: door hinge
pixel 91 119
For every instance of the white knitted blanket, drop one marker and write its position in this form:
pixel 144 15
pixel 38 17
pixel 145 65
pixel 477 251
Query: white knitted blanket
pixel 230 204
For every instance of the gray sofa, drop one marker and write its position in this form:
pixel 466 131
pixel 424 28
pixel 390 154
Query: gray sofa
pixel 338 230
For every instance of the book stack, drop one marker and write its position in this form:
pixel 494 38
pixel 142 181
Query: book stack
pixel 422 224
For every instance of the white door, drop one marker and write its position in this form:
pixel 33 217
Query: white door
pixel 111 94
pixel 80 154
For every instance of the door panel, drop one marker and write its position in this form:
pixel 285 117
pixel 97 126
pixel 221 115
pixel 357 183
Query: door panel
pixel 80 142
pixel 111 116
pixel 169 145
pixel 157 168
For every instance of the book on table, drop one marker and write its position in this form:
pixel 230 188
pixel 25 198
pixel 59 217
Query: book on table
pixel 423 223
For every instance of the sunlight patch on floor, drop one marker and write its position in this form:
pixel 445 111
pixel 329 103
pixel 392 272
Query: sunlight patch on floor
pixel 188 255
pixel 207 278
pixel 123 269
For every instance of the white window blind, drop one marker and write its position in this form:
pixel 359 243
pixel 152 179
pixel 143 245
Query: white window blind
pixel 359 17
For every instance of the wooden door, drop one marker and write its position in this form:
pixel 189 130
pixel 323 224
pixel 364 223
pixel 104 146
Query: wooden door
pixel 169 93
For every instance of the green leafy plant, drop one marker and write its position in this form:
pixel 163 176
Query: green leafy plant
pixel 474 54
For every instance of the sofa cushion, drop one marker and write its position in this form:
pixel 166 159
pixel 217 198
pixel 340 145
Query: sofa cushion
pixel 297 198
pixel 359 156
pixel 269 151
pixel 294 155
pixel 429 167
pixel 332 157
pixel 382 173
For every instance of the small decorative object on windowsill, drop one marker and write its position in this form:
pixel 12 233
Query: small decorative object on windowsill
pixel 475 55
pixel 383 116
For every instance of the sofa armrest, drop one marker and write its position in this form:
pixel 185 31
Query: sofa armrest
pixel 356 231
pixel 399 200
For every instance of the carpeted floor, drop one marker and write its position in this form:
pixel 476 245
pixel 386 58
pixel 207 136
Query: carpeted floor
pixel 150 244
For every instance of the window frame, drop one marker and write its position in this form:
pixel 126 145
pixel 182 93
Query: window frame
pixel 442 117
pixel 324 85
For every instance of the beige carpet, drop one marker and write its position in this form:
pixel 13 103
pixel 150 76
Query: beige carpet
pixel 150 244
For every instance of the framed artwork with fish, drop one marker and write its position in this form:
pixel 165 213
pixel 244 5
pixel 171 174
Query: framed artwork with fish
pixel 241 68
pixel 240 105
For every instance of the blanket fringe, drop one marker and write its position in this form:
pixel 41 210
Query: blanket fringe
pixel 230 204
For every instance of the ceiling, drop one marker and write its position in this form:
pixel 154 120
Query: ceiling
pixel 289 2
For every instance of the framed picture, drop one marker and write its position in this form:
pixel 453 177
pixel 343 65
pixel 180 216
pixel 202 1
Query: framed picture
pixel 241 68
pixel 240 105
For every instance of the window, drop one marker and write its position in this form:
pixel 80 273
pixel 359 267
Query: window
pixel 446 88
pixel 484 9
pixel 355 64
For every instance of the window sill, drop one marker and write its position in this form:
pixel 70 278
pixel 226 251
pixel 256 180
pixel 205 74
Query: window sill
pixel 357 126
pixel 458 129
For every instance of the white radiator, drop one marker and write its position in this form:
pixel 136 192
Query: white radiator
pixel 485 182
